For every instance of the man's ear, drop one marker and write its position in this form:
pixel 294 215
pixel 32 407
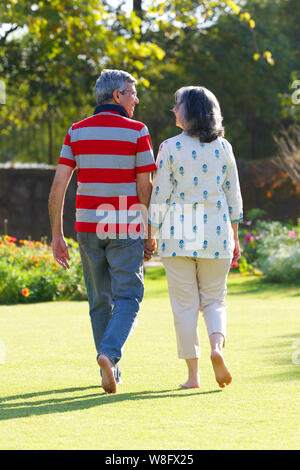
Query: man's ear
pixel 116 96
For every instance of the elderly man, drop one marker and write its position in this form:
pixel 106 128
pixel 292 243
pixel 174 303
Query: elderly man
pixel 114 160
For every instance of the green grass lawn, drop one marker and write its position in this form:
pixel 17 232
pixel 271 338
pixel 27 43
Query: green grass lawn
pixel 50 396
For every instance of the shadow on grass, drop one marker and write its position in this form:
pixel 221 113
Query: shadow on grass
pixel 260 286
pixel 283 352
pixel 67 403
pixel 239 285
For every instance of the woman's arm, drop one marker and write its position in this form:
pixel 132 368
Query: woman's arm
pixel 231 187
pixel 236 250
pixel 235 228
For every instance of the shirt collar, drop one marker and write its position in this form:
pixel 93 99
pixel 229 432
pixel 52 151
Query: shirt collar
pixel 115 108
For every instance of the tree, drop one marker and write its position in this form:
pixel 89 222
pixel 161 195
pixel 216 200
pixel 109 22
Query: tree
pixel 56 59
pixel 289 152
pixel 50 68
pixel 235 61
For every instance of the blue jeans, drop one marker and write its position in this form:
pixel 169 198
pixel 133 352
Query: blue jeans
pixel 113 274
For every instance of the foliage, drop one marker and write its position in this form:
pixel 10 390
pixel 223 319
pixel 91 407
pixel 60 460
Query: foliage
pixel 52 53
pixel 289 152
pixel 247 89
pixel 278 252
pixel 29 273
pixel 271 249
pixel 269 188
pixel 51 67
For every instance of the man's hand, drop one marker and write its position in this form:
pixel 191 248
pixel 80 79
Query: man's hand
pixel 60 183
pixel 60 251
pixel 149 248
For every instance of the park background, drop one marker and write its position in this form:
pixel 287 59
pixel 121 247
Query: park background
pixel 51 53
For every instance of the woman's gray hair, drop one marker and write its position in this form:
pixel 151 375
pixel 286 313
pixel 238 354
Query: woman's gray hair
pixel 200 113
pixel 109 81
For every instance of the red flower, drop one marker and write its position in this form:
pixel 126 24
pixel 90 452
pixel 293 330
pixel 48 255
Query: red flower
pixel 25 292
pixel 248 237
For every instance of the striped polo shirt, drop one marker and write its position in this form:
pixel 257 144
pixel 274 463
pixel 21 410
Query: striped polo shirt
pixel 108 149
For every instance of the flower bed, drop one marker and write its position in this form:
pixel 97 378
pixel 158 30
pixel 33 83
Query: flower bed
pixel 29 273
pixel 271 249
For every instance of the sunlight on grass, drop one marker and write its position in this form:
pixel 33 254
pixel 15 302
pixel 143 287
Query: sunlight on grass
pixel 50 396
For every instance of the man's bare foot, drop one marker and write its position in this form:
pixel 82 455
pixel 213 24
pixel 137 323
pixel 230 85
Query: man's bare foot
pixel 191 383
pixel 223 376
pixel 108 380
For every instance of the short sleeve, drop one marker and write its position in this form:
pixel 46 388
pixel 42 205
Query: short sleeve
pixel 66 154
pixel 144 162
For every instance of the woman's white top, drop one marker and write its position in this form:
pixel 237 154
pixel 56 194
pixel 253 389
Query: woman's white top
pixel 196 196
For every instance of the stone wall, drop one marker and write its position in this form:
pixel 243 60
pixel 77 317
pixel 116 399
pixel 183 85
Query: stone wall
pixel 24 192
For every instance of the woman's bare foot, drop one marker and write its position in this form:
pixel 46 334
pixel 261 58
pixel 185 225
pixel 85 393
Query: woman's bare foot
pixel 191 383
pixel 223 376
pixel 193 374
pixel 108 380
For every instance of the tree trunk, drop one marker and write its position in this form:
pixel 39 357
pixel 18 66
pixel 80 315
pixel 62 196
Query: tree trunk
pixel 50 141
pixel 137 7
pixel 35 146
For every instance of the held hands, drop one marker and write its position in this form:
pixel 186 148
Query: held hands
pixel 60 251
pixel 149 248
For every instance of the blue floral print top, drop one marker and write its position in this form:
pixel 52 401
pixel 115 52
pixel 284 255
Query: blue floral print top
pixel 196 174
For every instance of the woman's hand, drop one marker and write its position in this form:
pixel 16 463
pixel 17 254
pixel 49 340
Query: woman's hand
pixel 236 251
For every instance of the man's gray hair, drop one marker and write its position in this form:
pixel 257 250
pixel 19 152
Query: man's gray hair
pixel 109 81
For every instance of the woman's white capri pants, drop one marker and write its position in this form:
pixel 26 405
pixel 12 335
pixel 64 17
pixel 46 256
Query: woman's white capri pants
pixel 196 284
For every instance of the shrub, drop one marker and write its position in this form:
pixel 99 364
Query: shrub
pixel 278 252
pixel 29 273
pixel 273 249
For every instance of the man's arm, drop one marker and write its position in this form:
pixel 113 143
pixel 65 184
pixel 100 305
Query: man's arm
pixel 56 205
pixel 144 189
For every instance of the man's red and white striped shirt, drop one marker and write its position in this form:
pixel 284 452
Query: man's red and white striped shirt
pixel 108 149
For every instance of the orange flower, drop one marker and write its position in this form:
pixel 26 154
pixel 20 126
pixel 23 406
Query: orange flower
pixel 269 195
pixel 25 292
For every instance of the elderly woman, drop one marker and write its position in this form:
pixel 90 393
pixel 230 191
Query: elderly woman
pixel 196 206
